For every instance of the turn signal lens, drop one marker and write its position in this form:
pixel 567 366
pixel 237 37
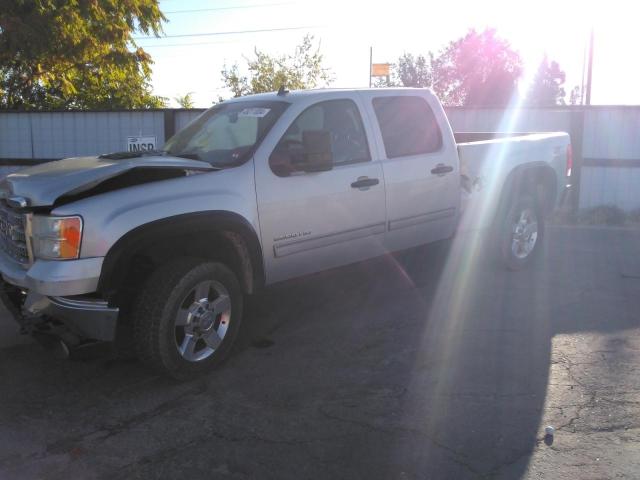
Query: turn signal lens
pixel 70 234
pixel 56 237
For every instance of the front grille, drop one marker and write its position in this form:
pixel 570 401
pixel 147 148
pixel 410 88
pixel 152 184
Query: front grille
pixel 13 240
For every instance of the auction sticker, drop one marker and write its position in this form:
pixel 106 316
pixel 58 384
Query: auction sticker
pixel 254 112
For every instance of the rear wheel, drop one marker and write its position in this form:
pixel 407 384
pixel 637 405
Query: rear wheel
pixel 187 317
pixel 521 233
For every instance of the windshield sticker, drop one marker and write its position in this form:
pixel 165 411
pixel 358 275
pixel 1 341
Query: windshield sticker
pixel 254 112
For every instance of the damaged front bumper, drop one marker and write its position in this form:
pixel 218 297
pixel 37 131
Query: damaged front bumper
pixel 86 317
pixel 83 317
pixel 57 290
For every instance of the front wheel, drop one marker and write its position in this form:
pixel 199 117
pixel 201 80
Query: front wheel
pixel 521 233
pixel 187 316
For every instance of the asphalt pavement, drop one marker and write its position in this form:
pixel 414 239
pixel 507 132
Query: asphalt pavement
pixel 431 365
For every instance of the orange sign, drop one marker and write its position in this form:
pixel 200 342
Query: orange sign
pixel 380 70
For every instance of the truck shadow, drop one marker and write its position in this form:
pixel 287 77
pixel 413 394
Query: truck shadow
pixel 431 364
pixel 445 364
pixel 450 356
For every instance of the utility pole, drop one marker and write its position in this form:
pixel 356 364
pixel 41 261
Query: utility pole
pixel 370 64
pixel 584 68
pixel 590 69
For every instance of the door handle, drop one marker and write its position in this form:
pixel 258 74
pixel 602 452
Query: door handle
pixel 441 169
pixel 364 182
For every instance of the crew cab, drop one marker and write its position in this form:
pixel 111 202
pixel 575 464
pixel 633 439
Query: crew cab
pixel 167 245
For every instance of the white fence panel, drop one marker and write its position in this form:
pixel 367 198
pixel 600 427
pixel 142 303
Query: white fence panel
pixel 500 120
pixel 611 152
pixel 610 186
pixel 15 135
pixel 66 134
pixel 612 133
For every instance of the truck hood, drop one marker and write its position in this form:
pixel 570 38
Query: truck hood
pixel 43 184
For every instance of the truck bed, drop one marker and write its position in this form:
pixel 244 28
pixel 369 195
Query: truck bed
pixel 470 137
pixel 486 158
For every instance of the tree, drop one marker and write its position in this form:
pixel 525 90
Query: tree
pixel 185 101
pixel 413 71
pixel 575 97
pixel 477 69
pixel 409 71
pixel 301 70
pixel 383 82
pixel 76 54
pixel 547 88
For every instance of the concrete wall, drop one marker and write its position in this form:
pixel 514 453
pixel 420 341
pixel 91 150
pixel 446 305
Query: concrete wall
pixel 606 139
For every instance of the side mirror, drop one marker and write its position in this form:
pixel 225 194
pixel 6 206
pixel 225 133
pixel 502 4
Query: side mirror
pixel 312 155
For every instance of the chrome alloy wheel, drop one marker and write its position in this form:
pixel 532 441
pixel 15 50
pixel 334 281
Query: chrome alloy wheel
pixel 202 320
pixel 524 233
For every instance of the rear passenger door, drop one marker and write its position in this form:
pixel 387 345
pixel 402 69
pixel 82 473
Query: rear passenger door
pixel 420 168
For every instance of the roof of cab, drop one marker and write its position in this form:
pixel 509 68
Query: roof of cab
pixel 294 94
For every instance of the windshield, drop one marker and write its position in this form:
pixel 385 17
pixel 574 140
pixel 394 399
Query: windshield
pixel 226 134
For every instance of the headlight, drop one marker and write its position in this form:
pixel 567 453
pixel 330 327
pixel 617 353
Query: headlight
pixel 56 238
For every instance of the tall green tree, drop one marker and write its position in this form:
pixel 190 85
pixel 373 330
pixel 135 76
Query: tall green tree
pixel 547 86
pixel 76 54
pixel 302 69
pixel 413 71
pixel 478 69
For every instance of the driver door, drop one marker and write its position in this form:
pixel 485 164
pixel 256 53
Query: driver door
pixel 312 221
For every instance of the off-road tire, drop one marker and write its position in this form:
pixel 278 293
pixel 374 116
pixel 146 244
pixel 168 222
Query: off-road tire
pixel 155 308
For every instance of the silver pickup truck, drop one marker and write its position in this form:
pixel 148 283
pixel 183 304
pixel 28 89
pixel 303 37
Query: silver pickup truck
pixel 168 245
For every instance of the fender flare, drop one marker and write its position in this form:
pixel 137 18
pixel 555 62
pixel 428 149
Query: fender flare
pixel 213 221
pixel 513 182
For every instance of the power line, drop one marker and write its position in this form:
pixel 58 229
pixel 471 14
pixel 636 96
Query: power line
pixel 229 8
pixel 190 44
pixel 186 35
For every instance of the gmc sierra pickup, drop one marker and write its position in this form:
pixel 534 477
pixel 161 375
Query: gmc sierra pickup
pixel 257 190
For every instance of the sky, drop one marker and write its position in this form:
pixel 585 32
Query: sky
pixel 197 45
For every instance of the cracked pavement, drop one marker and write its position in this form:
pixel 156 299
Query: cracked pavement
pixel 424 366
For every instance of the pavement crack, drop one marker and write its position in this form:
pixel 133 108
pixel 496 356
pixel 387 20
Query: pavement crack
pixel 106 431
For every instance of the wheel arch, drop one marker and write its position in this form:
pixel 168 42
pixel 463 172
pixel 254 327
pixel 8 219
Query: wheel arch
pixel 219 235
pixel 537 178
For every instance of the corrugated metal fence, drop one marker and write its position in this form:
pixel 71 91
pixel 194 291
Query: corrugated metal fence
pixel 55 135
pixel 606 139
pixel 606 143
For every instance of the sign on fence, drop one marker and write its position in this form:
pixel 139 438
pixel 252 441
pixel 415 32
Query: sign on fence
pixel 137 144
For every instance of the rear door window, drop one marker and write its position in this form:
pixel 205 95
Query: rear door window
pixel 408 126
